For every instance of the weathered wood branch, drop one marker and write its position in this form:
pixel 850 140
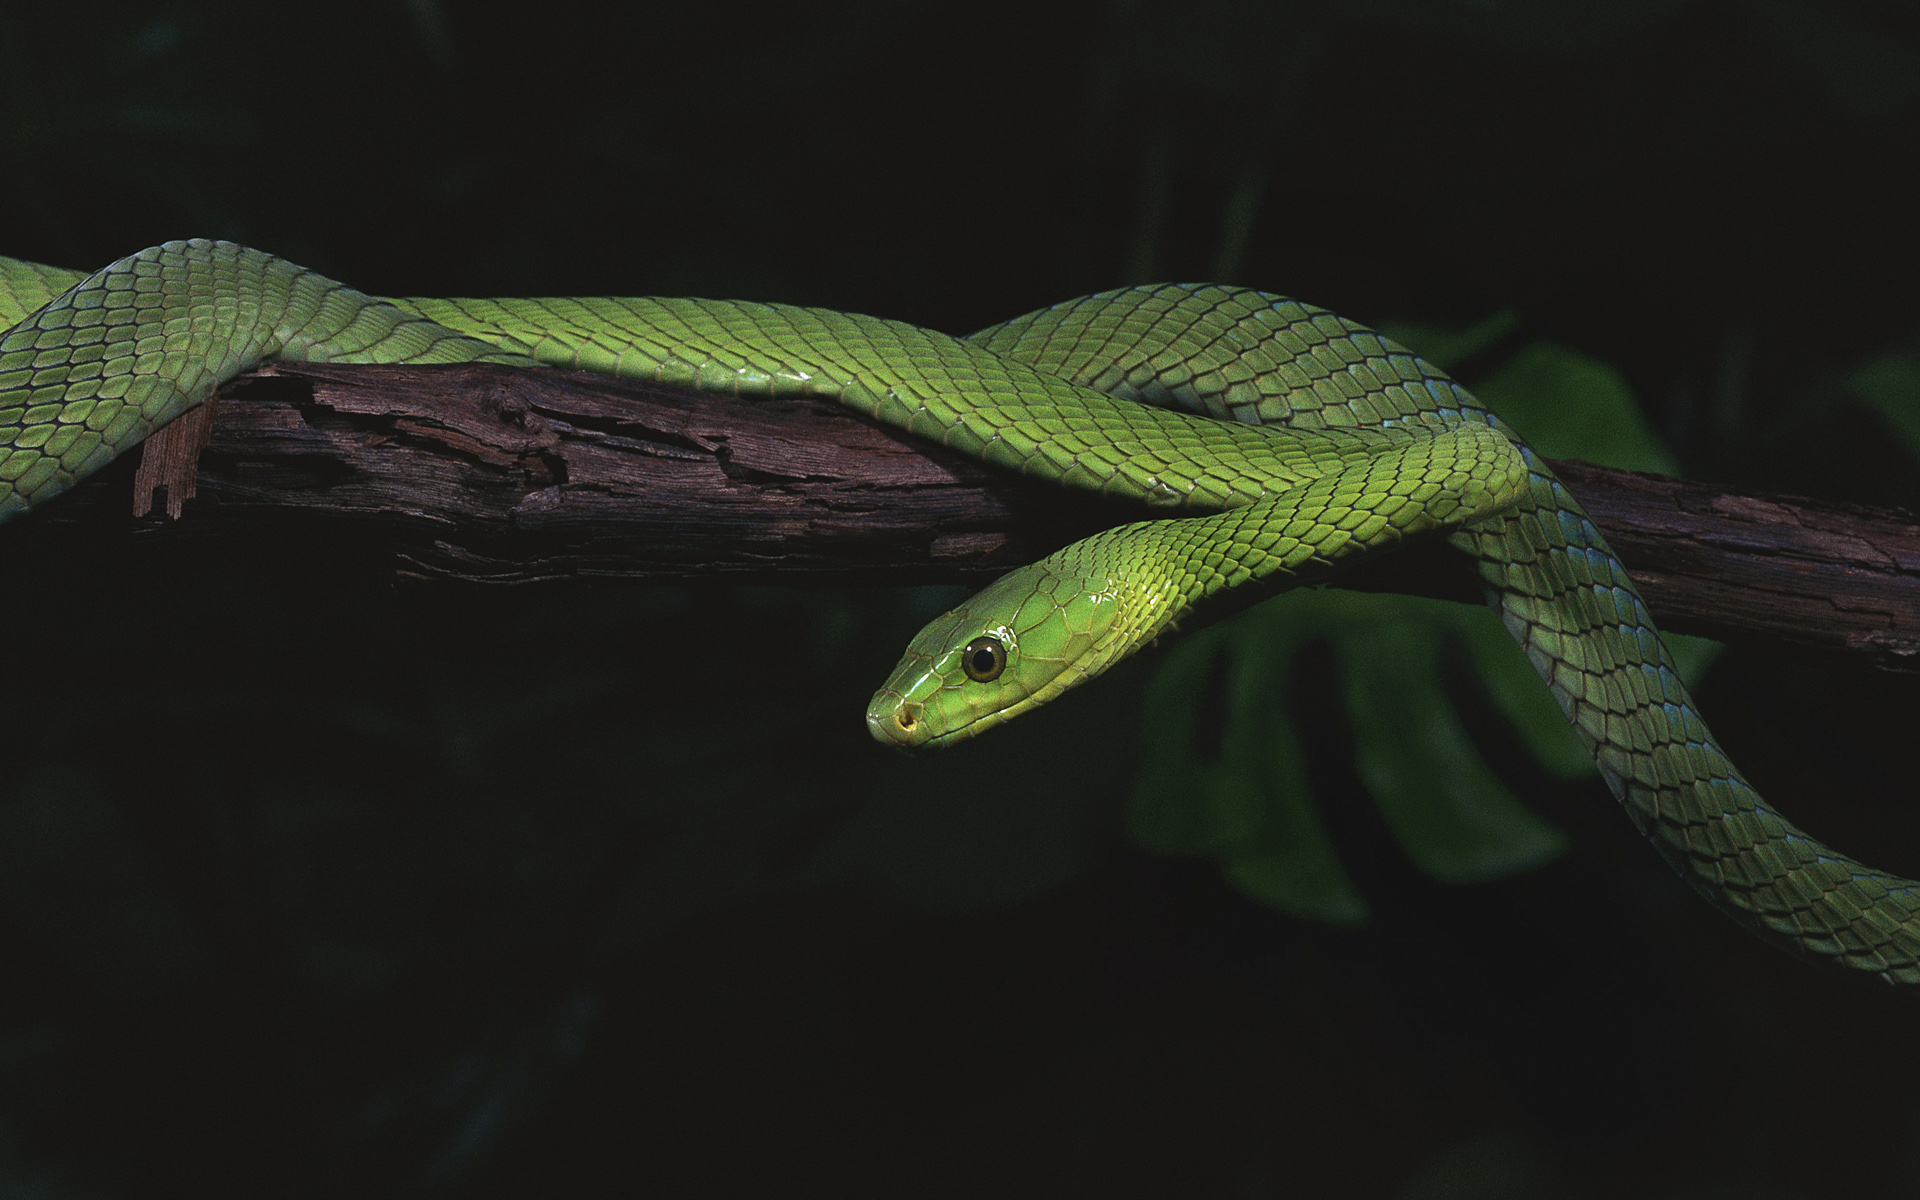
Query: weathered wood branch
pixel 490 474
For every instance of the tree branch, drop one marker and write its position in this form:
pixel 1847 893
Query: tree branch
pixel 492 474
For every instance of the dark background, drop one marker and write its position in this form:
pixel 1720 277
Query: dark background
pixel 314 884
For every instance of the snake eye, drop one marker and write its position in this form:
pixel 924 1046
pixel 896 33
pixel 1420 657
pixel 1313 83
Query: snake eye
pixel 984 659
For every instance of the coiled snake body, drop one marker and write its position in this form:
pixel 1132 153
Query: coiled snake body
pixel 1288 437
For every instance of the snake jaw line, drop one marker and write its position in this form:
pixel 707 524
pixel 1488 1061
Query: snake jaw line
pixel 1059 622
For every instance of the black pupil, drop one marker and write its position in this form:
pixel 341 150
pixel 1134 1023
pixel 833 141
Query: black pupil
pixel 984 659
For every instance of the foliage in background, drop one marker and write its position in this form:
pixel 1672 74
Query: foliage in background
pixel 1227 774
pixel 394 891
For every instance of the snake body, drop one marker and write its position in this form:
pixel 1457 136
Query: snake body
pixel 1284 437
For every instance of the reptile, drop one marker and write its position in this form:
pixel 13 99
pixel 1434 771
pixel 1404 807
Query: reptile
pixel 1280 440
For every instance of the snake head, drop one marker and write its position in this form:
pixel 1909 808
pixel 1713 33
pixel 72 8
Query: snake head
pixel 1030 636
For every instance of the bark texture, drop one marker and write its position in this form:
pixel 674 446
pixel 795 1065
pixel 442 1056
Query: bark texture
pixel 489 474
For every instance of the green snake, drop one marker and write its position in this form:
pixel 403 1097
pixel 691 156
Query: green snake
pixel 1285 439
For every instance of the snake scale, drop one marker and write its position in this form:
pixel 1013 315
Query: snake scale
pixel 1283 437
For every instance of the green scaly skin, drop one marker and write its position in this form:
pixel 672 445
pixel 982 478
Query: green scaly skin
pixel 1297 439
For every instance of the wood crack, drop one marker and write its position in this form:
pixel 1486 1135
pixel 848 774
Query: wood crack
pixel 480 472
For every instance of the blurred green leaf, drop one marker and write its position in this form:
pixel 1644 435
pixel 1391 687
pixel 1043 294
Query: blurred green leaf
pixel 1446 347
pixel 1565 403
pixel 1890 385
pixel 1451 814
pixel 1223 770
